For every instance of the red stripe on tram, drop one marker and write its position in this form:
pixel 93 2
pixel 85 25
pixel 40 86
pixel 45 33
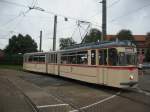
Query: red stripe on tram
pixel 121 68
pixel 94 66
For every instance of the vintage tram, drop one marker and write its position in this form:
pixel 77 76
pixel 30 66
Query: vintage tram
pixel 105 63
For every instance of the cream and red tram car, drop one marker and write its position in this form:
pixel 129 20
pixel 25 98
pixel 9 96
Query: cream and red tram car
pixel 108 63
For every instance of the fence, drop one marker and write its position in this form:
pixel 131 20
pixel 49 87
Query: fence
pixel 12 59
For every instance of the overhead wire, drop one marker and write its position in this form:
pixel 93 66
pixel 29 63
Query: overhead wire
pixel 13 3
pixel 3 38
pixel 32 4
pixel 130 13
pixel 16 17
pixel 27 1
pixel 19 22
pixel 23 14
pixel 80 32
pixel 72 18
pixel 35 3
pixel 61 30
pixel 114 3
pixel 9 21
pixel 75 29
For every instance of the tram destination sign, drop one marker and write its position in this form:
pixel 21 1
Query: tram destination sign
pixel 129 50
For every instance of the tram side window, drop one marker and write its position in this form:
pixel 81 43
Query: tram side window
pixel 75 58
pixel 122 59
pixel 35 58
pixel 131 59
pixel 127 59
pixel 93 57
pixel 112 57
pixel 41 58
pixel 49 59
pixel 63 59
pixel 72 58
pixel 25 58
pixel 103 57
pixel 53 58
pixel 30 58
pixel 82 57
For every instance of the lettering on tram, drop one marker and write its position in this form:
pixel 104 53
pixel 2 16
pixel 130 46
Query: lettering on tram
pixel 105 63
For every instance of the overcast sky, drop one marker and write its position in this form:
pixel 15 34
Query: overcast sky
pixel 122 14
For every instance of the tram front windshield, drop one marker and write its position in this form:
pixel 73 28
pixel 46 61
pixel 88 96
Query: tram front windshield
pixel 127 59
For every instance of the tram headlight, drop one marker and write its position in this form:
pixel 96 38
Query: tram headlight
pixel 131 77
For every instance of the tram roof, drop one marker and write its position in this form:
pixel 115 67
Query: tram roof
pixel 103 44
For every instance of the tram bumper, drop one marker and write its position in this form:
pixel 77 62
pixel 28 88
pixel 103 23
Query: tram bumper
pixel 131 83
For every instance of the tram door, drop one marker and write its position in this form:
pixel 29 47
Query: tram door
pixel 46 62
pixel 103 57
pixel 55 67
pixel 58 63
pixel 51 67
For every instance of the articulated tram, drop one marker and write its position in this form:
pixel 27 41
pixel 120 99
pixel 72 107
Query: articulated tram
pixel 105 63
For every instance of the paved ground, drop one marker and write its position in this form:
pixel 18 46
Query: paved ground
pixel 54 94
pixel 12 100
pixel 145 80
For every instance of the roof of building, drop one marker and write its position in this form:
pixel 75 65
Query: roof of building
pixel 140 37
pixel 136 37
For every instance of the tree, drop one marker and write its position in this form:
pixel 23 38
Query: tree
pixel 21 44
pixel 125 35
pixel 93 36
pixel 66 42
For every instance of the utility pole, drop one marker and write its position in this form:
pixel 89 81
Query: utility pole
pixel 104 20
pixel 54 33
pixel 40 48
